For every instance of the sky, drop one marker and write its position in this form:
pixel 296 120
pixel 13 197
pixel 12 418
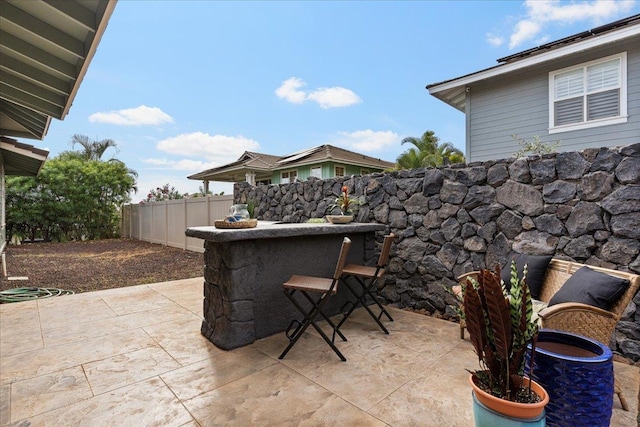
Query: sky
pixel 184 86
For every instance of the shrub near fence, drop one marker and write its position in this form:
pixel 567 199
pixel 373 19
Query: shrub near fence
pixel 165 222
pixel 583 206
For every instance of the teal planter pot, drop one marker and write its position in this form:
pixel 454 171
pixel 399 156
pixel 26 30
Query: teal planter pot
pixel 485 417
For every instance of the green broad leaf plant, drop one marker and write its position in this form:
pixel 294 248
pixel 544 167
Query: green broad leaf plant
pixel 500 326
pixel 344 202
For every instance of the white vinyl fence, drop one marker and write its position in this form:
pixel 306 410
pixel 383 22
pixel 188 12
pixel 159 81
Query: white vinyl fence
pixel 165 222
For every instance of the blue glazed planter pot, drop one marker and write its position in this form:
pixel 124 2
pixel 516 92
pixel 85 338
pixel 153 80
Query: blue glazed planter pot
pixel 577 372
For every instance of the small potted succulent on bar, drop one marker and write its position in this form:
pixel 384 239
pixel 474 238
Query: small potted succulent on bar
pixel 500 325
pixel 345 204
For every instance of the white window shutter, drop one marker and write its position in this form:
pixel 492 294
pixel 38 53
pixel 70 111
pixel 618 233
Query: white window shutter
pixel 568 111
pixel 603 104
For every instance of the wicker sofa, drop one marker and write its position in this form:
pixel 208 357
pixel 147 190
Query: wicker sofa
pixel 583 319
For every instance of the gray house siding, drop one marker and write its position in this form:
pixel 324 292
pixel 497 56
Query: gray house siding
pixel 518 104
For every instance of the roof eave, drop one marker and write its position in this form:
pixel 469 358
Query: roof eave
pixel 453 91
pixel 109 7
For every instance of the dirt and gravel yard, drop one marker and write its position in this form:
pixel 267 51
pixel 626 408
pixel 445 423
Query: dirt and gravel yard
pixel 100 264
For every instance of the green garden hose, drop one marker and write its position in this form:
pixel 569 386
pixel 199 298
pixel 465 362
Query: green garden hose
pixel 26 294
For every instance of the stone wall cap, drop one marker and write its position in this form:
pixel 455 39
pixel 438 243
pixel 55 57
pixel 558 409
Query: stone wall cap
pixel 276 229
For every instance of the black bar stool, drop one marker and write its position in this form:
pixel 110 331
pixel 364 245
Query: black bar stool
pixel 367 277
pixel 307 286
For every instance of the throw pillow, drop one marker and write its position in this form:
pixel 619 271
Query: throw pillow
pixel 591 287
pixel 536 271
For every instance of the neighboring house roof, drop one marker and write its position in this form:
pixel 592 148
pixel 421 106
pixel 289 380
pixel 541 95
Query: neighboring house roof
pixel 453 91
pixel 45 48
pixel 264 164
pixel 21 159
pixel 249 161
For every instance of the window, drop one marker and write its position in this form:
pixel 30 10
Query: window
pixel 287 177
pixel 365 171
pixel 316 171
pixel 591 94
pixel 339 171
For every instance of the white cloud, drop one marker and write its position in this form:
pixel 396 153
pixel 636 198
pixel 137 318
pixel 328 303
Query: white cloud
pixel 326 97
pixel 494 40
pixel 369 140
pixel 217 149
pixel 543 12
pixel 331 97
pixel 525 30
pixel 288 90
pixel 138 116
pixel 181 165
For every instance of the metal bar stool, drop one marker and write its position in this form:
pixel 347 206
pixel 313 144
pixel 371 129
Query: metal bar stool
pixel 308 285
pixel 367 277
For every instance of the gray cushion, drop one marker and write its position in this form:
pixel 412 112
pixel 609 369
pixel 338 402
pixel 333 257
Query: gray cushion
pixel 591 287
pixel 536 271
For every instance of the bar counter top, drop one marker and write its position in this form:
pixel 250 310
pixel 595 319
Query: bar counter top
pixel 274 229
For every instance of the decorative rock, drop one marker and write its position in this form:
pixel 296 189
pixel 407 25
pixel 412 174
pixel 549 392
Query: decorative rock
pixel 510 223
pixel 484 214
pixel 471 176
pixel 606 160
pixel 434 267
pixel 628 171
pixel 432 220
pixel 417 203
pixel 411 249
pixel 520 197
pixel 487 231
pixel 571 165
pixel 626 225
pixel 463 216
pixel 397 219
pixel 453 192
pixel 585 217
pixel 527 223
pixel 623 200
pixel 468 230
pixel 550 224
pixel 535 243
pixel 433 180
pixel 475 244
pixel 448 210
pixel 630 349
pixel 498 251
pixel 601 235
pixel 635 266
pixel 478 195
pixel 632 150
pixel 597 185
pixel 619 250
pixel 581 247
pixel 497 175
pixel 519 171
pixel 558 192
pixel 395 203
pixel 542 171
pixel 450 228
pixel 434 203
pixel 564 211
pixel 448 255
pixel 381 214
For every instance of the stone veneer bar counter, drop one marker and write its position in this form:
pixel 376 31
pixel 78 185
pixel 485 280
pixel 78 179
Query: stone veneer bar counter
pixel 245 269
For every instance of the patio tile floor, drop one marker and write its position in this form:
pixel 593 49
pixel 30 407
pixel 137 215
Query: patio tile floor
pixel 134 356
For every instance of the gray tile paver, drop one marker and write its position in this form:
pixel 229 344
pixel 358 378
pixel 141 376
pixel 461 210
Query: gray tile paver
pixel 156 370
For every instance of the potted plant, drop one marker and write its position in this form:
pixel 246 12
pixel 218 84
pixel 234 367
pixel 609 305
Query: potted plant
pixel 345 204
pixel 500 326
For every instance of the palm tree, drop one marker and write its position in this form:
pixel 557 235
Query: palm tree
pixel 428 152
pixel 94 150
